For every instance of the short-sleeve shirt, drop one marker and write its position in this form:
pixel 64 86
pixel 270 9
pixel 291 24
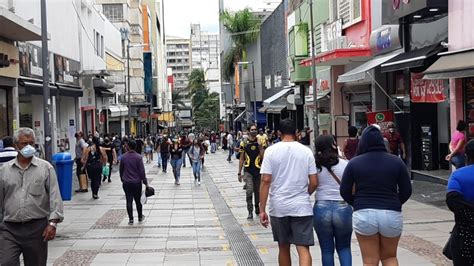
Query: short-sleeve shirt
pixel 328 187
pixel 251 151
pixel 290 164
pixel 80 145
pixel 455 139
pixel 462 181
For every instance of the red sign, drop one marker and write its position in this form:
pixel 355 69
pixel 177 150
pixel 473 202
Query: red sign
pixel 426 90
pixel 396 3
pixel 381 118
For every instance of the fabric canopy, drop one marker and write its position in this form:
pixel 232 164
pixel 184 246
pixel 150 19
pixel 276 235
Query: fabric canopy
pixel 278 95
pixel 358 73
pixel 417 58
pixel 452 65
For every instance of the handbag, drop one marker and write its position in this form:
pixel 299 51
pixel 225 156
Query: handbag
pixel 149 191
pixel 83 181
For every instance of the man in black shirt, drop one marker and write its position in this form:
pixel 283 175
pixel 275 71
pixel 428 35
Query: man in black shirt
pixel 251 157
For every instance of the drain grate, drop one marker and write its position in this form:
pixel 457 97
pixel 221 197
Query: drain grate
pixel 244 251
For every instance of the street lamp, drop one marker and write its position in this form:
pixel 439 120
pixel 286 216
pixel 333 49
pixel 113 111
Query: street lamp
pixel 128 83
pixel 255 90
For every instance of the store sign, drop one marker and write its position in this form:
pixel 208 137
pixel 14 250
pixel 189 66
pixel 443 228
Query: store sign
pixel 65 69
pixel 381 118
pixel 30 61
pixel 393 10
pixel 385 39
pixel 427 90
pixel 396 3
pixel 8 60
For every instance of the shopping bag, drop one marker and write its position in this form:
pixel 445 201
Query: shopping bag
pixel 149 191
pixel 143 198
pixel 83 181
pixel 105 170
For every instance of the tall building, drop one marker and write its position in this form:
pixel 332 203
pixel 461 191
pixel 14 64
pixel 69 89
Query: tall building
pixel 205 55
pixel 179 60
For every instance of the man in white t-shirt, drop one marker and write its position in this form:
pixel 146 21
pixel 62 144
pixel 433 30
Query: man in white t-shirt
pixel 230 145
pixel 289 176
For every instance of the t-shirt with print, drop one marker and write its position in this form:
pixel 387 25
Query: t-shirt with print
pixel 251 150
pixel 328 188
pixel 290 164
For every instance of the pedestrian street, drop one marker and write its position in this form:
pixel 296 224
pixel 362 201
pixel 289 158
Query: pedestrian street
pixel 206 225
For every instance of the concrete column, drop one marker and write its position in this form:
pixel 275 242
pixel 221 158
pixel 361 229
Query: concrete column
pixel 456 102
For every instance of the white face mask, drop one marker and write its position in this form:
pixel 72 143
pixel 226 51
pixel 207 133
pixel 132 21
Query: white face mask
pixel 28 151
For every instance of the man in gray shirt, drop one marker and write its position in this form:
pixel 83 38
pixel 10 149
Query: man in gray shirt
pixel 80 146
pixel 30 204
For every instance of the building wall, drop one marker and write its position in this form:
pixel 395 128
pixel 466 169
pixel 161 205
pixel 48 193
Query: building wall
pixel 274 51
pixel 359 33
pixel 179 60
pixel 461 19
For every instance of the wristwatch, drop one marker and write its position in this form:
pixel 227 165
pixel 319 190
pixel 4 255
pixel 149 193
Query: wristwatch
pixel 53 224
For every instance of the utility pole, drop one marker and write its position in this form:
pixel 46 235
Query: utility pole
pixel 128 88
pixel 313 74
pixel 255 94
pixel 46 93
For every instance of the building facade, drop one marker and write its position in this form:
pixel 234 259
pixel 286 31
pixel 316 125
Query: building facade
pixel 178 52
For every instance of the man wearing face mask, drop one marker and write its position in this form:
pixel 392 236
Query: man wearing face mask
pixel 251 157
pixel 30 204
pixel 395 140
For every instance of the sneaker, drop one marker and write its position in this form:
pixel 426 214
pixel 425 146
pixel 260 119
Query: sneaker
pixel 250 217
pixel 130 222
pixel 103 179
pixel 95 196
pixel 199 183
pixel 177 183
pixel 140 219
pixel 245 187
pixel 257 211
pixel 109 180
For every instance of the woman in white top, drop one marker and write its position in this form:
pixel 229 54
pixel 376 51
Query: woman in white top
pixel 332 215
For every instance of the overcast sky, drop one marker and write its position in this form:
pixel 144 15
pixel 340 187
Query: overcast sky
pixel 179 14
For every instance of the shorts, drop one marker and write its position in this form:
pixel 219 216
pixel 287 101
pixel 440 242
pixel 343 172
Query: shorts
pixel 148 150
pixel 368 222
pixel 293 230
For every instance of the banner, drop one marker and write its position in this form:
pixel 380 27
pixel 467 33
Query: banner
pixel 381 118
pixel 426 90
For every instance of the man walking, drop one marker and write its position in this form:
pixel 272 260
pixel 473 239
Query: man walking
pixel 30 204
pixel 9 152
pixel 289 175
pixel 251 155
pixel 230 146
pixel 213 141
pixel 80 146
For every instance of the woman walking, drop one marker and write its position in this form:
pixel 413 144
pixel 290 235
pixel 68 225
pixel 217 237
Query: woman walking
pixel 132 174
pixel 456 146
pixel 196 153
pixel 176 152
pixel 460 200
pixel 350 145
pixel 332 215
pixel 149 150
pixel 109 149
pixel 94 159
pixel 165 153
pixel 377 184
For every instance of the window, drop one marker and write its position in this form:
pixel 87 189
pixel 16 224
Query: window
pixel 113 12
pixel 101 46
pixel 349 11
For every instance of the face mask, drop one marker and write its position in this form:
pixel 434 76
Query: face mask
pixel 28 151
pixel 391 130
pixel 253 133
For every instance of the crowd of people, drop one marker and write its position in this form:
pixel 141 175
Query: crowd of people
pixel 358 188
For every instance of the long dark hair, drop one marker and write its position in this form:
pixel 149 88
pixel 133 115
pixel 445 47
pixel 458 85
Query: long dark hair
pixel 326 152
pixel 96 142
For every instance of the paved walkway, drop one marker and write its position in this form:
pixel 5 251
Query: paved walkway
pixel 205 225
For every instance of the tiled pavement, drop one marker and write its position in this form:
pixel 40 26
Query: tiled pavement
pixel 205 225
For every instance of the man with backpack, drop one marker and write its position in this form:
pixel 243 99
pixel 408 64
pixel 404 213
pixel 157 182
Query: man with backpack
pixel 251 156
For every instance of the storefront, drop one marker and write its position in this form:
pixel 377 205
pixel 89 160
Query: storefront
pixel 421 107
pixel 9 73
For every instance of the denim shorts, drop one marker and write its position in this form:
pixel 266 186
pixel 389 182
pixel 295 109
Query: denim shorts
pixel 369 222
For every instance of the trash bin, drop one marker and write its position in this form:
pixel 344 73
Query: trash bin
pixel 63 163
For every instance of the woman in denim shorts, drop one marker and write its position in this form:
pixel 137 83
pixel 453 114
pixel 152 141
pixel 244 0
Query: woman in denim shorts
pixel 332 215
pixel 376 184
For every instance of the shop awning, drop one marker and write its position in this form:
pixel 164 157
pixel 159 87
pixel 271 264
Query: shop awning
pixel 35 87
pixel 452 64
pixel 341 56
pixel 417 58
pixel 358 73
pixel 320 96
pixel 105 93
pixel 240 116
pixel 118 110
pixel 70 91
pixel 278 95
pixel 275 109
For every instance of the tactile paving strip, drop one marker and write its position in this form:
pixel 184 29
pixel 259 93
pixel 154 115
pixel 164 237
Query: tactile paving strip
pixel 244 251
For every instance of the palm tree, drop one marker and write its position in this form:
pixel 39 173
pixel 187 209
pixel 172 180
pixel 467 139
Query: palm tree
pixel 196 80
pixel 244 28
pixel 177 98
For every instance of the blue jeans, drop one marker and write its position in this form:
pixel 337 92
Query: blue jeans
pixel 231 152
pixel 158 161
pixel 197 169
pixel 458 161
pixel 183 157
pixel 332 222
pixel 213 147
pixel 176 165
pixel 164 160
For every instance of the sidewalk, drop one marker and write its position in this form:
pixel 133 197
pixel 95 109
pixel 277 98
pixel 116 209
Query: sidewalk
pixel 205 225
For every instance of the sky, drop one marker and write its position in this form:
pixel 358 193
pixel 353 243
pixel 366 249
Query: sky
pixel 179 14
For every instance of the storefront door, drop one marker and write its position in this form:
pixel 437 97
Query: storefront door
pixel 359 117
